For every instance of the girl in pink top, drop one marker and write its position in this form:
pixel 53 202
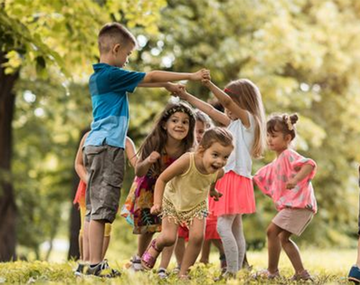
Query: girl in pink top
pixel 287 180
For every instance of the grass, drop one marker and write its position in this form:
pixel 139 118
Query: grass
pixel 327 266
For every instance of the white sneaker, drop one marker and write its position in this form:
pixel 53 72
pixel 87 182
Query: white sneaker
pixel 162 273
pixel 136 263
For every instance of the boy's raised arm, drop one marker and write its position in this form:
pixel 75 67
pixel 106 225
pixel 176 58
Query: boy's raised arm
pixel 164 76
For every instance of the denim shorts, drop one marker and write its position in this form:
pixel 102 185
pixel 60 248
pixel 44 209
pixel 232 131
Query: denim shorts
pixel 105 167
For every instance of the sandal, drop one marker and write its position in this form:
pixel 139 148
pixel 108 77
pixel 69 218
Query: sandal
pixel 147 260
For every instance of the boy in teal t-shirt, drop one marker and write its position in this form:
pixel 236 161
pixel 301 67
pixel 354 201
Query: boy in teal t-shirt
pixel 104 147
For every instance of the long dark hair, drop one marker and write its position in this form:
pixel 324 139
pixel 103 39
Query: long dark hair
pixel 156 140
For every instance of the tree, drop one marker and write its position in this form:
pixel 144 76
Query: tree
pixel 50 40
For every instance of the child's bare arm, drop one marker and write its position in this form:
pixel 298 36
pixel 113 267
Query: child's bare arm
pixel 175 169
pixel 213 192
pixel 79 163
pixel 143 166
pixel 304 171
pixel 228 103
pixel 164 76
pixel 131 152
pixel 205 107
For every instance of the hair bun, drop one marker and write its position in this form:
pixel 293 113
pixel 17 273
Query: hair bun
pixel 294 118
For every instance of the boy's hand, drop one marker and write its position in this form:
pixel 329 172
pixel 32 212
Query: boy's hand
pixel 215 194
pixel 153 157
pixel 156 209
pixel 174 88
pixel 200 75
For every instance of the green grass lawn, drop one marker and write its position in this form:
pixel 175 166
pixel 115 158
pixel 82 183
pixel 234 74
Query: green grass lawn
pixel 327 266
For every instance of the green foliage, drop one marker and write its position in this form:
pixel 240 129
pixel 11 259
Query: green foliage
pixel 302 54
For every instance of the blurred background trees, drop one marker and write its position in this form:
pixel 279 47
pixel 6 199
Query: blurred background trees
pixel 303 54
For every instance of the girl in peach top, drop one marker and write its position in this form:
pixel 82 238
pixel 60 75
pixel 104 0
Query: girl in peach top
pixel 287 180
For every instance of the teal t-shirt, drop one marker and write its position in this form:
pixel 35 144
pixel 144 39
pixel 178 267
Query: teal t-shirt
pixel 108 88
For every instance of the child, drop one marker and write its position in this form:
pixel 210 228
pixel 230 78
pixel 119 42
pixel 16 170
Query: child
pixel 203 122
pixel 80 199
pixel 354 274
pixel 104 146
pixel 181 193
pixel 171 137
pixel 287 180
pixel 244 118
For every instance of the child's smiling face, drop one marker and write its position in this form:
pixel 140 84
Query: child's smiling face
pixel 215 157
pixel 177 126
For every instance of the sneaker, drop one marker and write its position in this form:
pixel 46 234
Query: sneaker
pixel 103 270
pixel 80 270
pixel 162 273
pixel 304 276
pixel 136 263
pixel 354 274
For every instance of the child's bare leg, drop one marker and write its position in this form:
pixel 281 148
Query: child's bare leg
pixel 166 256
pixel 105 246
pixel 205 251
pixel 292 251
pixel 196 236
pixel 218 244
pixel 274 247
pixel 179 250
pixel 86 244
pixel 358 254
pixel 166 238
pixel 96 238
pixel 143 242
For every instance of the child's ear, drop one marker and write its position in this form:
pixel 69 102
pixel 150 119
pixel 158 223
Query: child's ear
pixel 288 138
pixel 200 149
pixel 116 48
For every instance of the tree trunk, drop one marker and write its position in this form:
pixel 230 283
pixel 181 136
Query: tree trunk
pixel 74 252
pixel 7 200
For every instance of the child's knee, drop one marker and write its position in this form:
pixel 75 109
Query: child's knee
pixel 197 239
pixel 271 232
pixel 168 240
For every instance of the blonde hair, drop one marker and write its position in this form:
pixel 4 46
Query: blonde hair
pixel 247 95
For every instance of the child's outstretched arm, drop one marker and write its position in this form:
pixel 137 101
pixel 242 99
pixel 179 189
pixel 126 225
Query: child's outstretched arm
pixel 143 166
pixel 131 152
pixel 205 107
pixel 177 168
pixel 228 103
pixel 79 163
pixel 165 76
pixel 171 87
pixel 304 171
